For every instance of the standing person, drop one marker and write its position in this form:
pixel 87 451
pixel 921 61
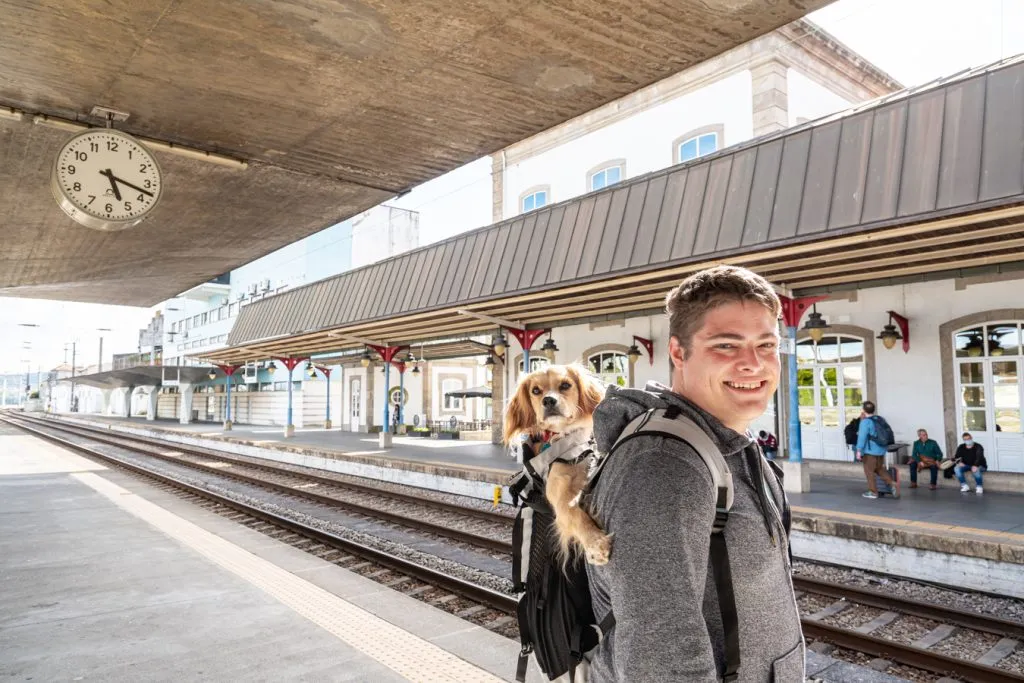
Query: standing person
pixel 768 443
pixel 926 454
pixel 971 458
pixel 657 499
pixel 872 452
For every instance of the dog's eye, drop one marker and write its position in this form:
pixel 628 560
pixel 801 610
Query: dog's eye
pixel 565 386
pixel 536 391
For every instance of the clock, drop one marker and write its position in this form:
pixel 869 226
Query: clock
pixel 106 180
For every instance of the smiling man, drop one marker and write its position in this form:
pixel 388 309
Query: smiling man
pixel 678 615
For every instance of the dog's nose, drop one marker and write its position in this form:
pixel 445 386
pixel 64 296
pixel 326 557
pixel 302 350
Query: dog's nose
pixel 550 401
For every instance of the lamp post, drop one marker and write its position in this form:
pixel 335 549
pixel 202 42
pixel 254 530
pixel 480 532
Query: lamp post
pixel 327 376
pixel 387 353
pixel 290 363
pixel 229 371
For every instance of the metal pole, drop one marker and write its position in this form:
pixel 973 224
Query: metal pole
pixel 99 365
pixel 795 443
pixel 526 362
pixel 227 381
pixel 401 395
pixel 387 398
pixel 289 427
pixel 72 406
pixel 327 376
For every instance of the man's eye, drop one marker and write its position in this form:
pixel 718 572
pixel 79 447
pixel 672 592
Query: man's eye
pixel 564 386
pixel 725 347
pixel 769 345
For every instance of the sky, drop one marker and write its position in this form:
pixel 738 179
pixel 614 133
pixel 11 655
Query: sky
pixel 914 41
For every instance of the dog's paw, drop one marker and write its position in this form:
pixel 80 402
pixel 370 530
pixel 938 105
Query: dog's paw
pixel 599 549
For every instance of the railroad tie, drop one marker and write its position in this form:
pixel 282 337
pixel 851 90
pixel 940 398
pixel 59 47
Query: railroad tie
pixel 934 636
pixel 998 652
pixel 883 619
pixel 832 610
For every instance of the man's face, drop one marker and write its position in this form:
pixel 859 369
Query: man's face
pixel 922 435
pixel 732 370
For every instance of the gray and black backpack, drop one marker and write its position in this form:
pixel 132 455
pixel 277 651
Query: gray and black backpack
pixel 557 624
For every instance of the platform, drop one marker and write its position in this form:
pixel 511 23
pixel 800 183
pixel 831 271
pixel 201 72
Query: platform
pixel 106 578
pixel 972 535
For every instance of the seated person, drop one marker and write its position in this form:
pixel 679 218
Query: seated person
pixel 970 457
pixel 927 454
pixel 768 443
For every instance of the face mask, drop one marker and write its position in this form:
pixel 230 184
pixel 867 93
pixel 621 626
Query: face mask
pixel 968 442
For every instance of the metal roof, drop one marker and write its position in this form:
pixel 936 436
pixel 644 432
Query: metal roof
pixel 336 105
pixel 141 376
pixel 882 189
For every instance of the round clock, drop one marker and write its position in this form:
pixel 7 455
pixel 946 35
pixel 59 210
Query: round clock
pixel 106 180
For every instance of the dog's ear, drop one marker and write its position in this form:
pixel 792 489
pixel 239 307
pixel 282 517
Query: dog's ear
pixel 591 391
pixel 519 415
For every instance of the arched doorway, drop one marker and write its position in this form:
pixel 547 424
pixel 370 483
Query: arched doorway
pixel 989 391
pixel 831 385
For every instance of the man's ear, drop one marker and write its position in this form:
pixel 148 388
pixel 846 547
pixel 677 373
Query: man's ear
pixel 676 352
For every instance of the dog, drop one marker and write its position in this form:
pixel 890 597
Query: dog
pixel 553 403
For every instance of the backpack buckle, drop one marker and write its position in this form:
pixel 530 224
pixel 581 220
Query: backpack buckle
pixel 721 517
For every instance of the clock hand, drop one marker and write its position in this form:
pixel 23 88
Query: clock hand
pixel 134 187
pixel 110 177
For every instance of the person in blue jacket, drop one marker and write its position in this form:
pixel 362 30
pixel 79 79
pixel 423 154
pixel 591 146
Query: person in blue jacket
pixel 872 453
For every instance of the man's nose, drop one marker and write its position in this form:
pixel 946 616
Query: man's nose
pixel 550 401
pixel 749 358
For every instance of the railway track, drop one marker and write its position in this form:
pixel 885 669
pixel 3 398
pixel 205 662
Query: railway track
pixel 421 513
pixel 395 571
pixel 482 605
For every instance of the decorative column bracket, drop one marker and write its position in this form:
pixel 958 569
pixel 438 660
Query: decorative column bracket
pixel 290 363
pixel 388 353
pixel 904 325
pixel 228 370
pixel 647 344
pixel 793 309
pixel 526 338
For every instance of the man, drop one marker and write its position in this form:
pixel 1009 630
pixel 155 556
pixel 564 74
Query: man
pixel 926 454
pixel 971 458
pixel 873 453
pixel 657 500
pixel 768 443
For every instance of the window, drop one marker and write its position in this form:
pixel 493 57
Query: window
pixel 451 403
pixel 698 143
pixel 534 198
pixel 608 174
pixel 831 385
pixel 611 367
pixel 538 361
pixel 989 387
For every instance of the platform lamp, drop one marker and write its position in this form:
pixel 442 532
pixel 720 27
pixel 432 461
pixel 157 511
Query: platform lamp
pixel 365 359
pixel 549 348
pixel 212 374
pixel 633 353
pixel 311 371
pixel 500 344
pixel 816 325
pixel 889 335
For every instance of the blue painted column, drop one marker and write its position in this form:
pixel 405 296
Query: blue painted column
pixel 227 391
pixel 793 431
pixel 526 361
pixel 289 430
pixel 327 376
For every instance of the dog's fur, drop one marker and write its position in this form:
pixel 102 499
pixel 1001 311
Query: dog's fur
pixel 561 400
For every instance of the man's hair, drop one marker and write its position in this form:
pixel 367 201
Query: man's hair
pixel 869 407
pixel 965 435
pixel 705 290
pixel 762 434
pixel 922 429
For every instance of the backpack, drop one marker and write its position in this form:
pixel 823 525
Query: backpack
pixel 557 624
pixel 850 431
pixel 883 435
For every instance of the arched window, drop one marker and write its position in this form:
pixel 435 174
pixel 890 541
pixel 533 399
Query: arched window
pixel 606 174
pixel 534 198
pixel 611 366
pixel 451 404
pixel 699 142
pixel 832 382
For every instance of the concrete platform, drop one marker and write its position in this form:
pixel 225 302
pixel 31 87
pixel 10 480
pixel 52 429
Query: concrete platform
pixel 106 578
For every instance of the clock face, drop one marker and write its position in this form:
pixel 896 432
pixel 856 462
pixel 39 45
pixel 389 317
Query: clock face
pixel 106 180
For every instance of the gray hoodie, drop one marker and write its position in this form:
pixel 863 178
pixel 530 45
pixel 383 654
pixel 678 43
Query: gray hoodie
pixel 656 498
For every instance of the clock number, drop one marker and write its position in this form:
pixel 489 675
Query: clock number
pixel 143 167
pixel 108 208
pixel 92 198
pixel 142 197
pixel 71 170
pixel 129 154
pixel 148 184
pixel 81 156
pixel 127 206
pixel 94 147
pixel 111 146
pixel 78 187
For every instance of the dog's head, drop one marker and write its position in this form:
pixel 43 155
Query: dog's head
pixel 558 399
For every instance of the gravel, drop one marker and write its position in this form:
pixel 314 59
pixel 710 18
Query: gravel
pixel 906 630
pixel 1004 608
pixel 853 616
pixel 966 644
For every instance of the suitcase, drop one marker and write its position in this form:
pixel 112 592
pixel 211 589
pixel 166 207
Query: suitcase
pixel 883 488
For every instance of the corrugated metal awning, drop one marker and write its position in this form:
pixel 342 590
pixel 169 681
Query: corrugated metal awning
pixel 902 185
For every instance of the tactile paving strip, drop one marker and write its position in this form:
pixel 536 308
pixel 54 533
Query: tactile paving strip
pixel 407 654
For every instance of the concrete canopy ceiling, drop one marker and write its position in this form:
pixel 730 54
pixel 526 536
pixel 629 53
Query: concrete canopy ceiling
pixel 337 105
